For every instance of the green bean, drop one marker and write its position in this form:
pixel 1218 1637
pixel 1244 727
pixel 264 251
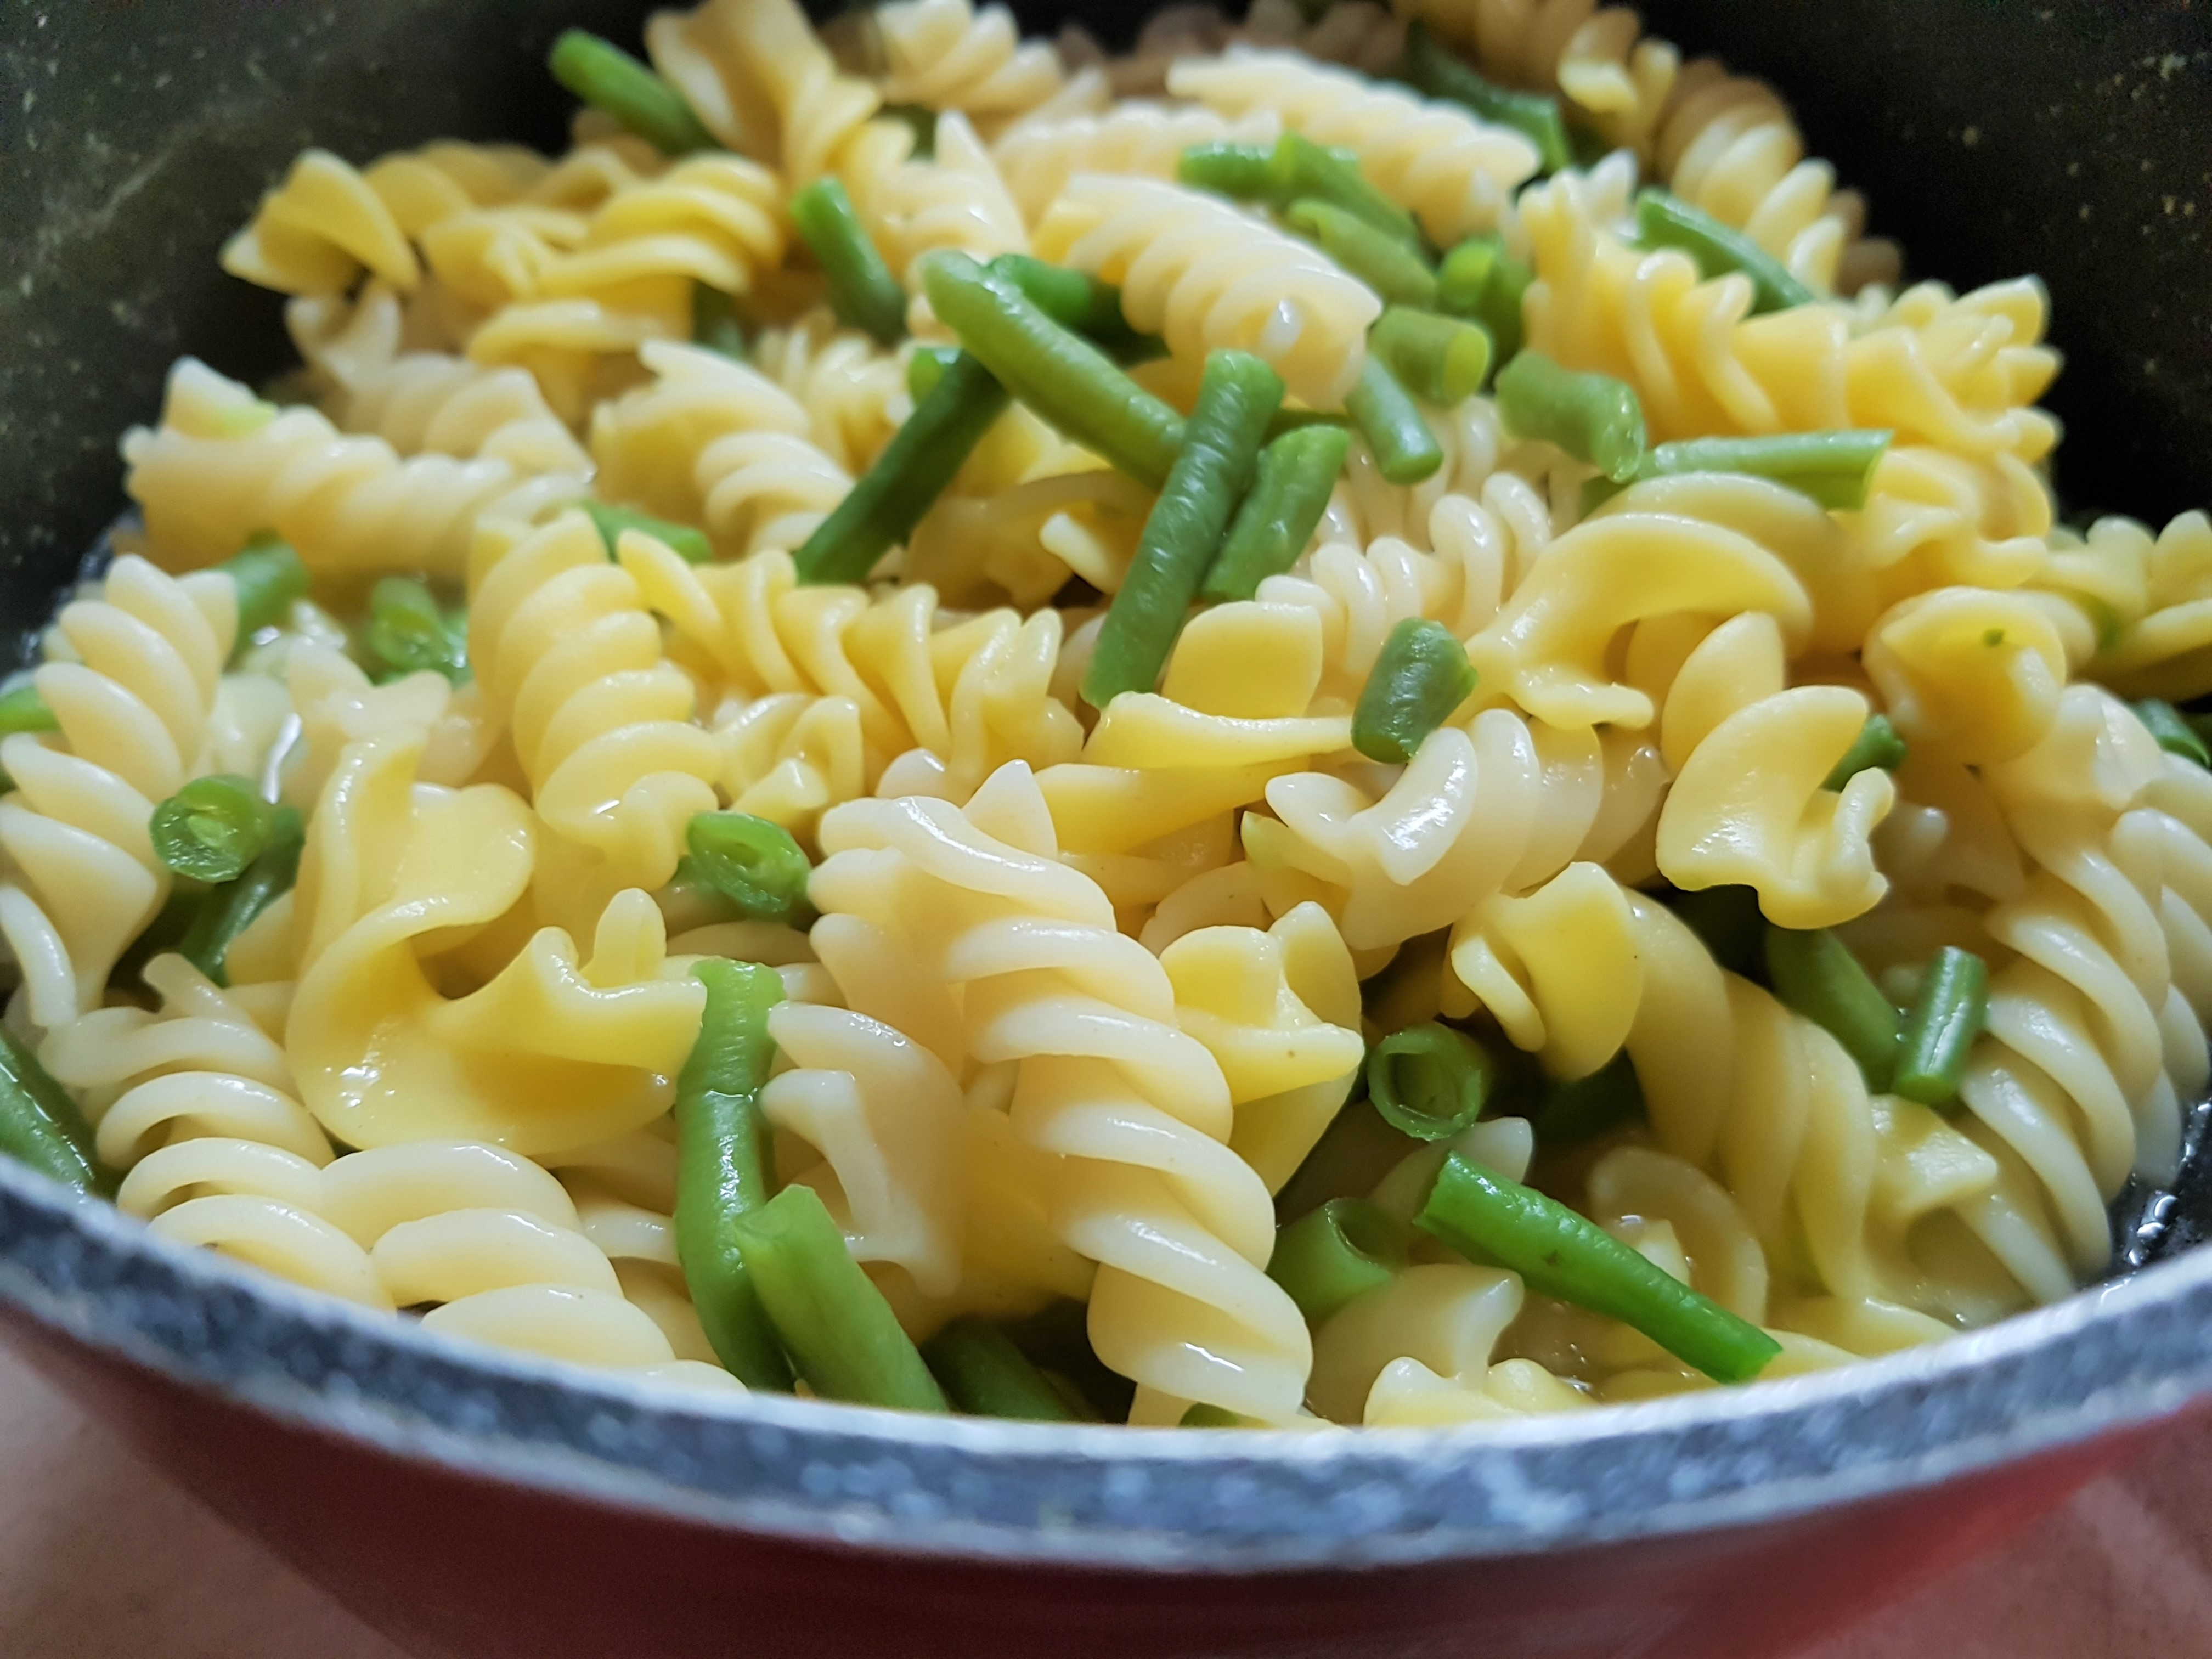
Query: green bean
pixel 409 633
pixel 1816 973
pixel 1589 1106
pixel 1726 920
pixel 1059 375
pixel 267 576
pixel 1478 279
pixel 1290 491
pixel 2174 734
pixel 1440 359
pixel 1387 264
pixel 689 544
pixel 213 828
pixel 862 289
pixel 715 322
pixel 1327 1257
pixel 1405 450
pixel 841 1333
pixel 1428 1081
pixel 1948 1014
pixel 608 78
pixel 1877 745
pixel 921 121
pixel 1227 168
pixel 22 709
pixel 1836 469
pixel 1299 168
pixel 1419 676
pixel 1663 220
pixel 1182 535
pixel 1594 418
pixel 882 509
pixel 231 908
pixel 1073 299
pixel 40 1125
pixel 1439 73
pixel 721 1165
pixel 1057 1338
pixel 985 1374
pixel 753 863
pixel 1490 1219
pixel 1200 1415
pixel 927 368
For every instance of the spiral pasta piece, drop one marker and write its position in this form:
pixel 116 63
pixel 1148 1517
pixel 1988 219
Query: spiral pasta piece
pixel 948 55
pixel 955 199
pixel 854 392
pixel 1037 157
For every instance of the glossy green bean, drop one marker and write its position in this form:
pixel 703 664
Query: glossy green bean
pixel 1440 359
pixel 1480 281
pixel 862 289
pixel 1299 168
pixel 608 78
pixel 1428 1081
pixel 40 1125
pixel 212 827
pixel 688 543
pixel 1393 267
pixel 1593 417
pixel 1814 972
pixel 985 1374
pixel 267 576
pixel 230 909
pixel 1877 745
pixel 1290 491
pixel 754 864
pixel 2174 734
pixel 1836 469
pixel 715 322
pixel 927 366
pixel 1664 220
pixel 1227 168
pixel 1421 674
pixel 22 709
pixel 1333 1253
pixel 1948 1014
pixel 410 633
pixel 1405 451
pixel 1434 69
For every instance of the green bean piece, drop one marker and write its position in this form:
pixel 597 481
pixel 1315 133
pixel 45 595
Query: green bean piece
pixel 1290 491
pixel 689 544
pixel 722 1174
pixel 1428 1081
pixel 1728 921
pixel 1200 1415
pixel 1434 70
pixel 1877 745
pixel 921 121
pixel 231 908
pixel 1419 676
pixel 927 368
pixel 1836 469
pixel 40 1125
pixel 1478 279
pixel 1405 451
pixel 22 709
pixel 841 1333
pixel 715 322
pixel 1389 264
pixel 882 509
pixel 1237 171
pixel 267 576
pixel 1949 1014
pixel 608 78
pixel 1073 299
pixel 1814 972
pixel 1299 168
pixel 1589 1106
pixel 1440 359
pixel 862 289
pixel 1237 395
pixel 753 863
pixel 2175 735
pixel 1057 1338
pixel 213 828
pixel 985 1374
pixel 1664 220
pixel 1594 418
pixel 1490 1219
pixel 1331 1255
pixel 410 634
pixel 1062 377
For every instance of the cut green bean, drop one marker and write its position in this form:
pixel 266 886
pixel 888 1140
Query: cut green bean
pixel 882 509
pixel 1594 418
pixel 1435 70
pixel 1491 1220
pixel 753 863
pixel 267 576
pixel 841 1333
pixel 410 634
pixel 1589 1106
pixel 1726 920
pixel 1057 1338
pixel 608 78
pixel 1440 359
pixel 1664 220
pixel 1062 377
pixel 1877 745
pixel 1428 1081
pixel 985 1374
pixel 1073 299
pixel 1405 451
pixel 1290 491
pixel 40 1125
pixel 715 322
pixel 1227 168
pixel 1203 1416
pixel 862 289
pixel 232 908
pixel 689 544
pixel 1389 264
pixel 2174 734
pixel 213 828
pixel 1948 1014
pixel 722 1174
pixel 1836 469
pixel 22 709
pixel 1299 168
pixel 1331 1255
pixel 1479 280
pixel 1419 676
pixel 927 368
pixel 1814 972
pixel 1237 395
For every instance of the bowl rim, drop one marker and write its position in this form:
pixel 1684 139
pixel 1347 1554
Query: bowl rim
pixel 2111 1357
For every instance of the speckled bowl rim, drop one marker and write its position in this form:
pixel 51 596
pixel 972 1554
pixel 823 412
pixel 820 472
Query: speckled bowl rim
pixel 2114 1357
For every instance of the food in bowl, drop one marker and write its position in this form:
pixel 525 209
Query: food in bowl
pixel 1345 721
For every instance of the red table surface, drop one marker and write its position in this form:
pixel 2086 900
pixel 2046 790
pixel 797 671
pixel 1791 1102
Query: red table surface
pixel 102 1558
